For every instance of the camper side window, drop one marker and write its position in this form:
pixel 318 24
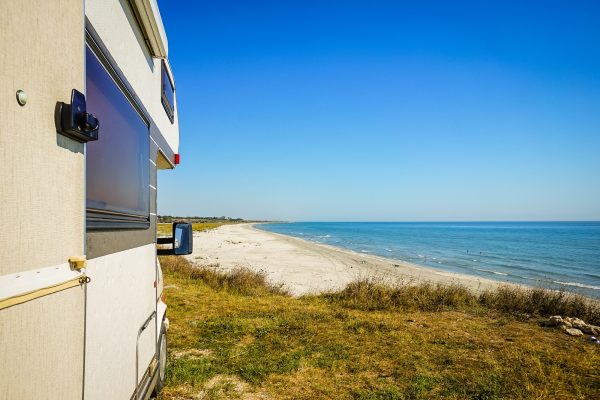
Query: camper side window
pixel 168 93
pixel 117 164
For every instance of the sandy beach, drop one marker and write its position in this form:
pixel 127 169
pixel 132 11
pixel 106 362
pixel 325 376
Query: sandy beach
pixel 305 267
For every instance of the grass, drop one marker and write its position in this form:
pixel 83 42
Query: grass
pixel 239 281
pixel 235 335
pixel 375 294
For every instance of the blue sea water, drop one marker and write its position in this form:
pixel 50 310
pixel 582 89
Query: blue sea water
pixel 557 255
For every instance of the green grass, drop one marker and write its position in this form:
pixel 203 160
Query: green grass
pixel 234 335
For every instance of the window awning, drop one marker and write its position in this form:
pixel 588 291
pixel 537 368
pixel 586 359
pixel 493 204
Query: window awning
pixel 152 27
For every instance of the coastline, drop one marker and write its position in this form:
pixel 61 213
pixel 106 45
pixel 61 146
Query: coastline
pixel 305 267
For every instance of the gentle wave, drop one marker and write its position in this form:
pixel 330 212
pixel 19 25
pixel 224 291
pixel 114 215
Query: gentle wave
pixel 577 284
pixel 493 272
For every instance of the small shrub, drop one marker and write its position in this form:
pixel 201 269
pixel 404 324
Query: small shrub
pixel 376 294
pixel 239 280
pixel 541 302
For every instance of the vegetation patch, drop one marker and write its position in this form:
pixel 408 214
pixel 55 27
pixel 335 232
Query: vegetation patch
pixel 240 280
pixel 234 335
pixel 377 294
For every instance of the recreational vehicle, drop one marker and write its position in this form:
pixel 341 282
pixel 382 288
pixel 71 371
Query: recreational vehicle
pixel 88 115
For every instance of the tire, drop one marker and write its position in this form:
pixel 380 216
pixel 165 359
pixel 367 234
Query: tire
pixel 162 361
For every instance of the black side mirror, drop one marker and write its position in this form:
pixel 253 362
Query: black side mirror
pixel 182 240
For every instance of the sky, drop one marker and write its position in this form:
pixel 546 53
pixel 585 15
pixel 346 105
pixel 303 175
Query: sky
pixel 385 110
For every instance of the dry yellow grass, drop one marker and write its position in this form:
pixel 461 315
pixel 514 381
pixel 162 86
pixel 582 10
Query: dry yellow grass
pixel 243 338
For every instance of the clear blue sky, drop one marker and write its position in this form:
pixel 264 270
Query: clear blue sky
pixel 372 110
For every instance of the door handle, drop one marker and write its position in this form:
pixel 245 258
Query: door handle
pixel 88 123
pixel 74 120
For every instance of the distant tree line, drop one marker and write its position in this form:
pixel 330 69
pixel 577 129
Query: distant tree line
pixel 167 219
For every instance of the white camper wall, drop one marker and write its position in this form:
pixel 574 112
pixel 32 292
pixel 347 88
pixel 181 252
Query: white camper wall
pixel 41 347
pixel 121 299
pixel 122 263
pixel 115 23
pixel 42 177
pixel 41 198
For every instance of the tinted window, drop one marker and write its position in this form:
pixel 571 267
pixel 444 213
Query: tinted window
pixel 117 166
pixel 168 93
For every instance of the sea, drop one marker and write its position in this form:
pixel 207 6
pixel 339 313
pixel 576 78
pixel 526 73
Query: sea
pixel 555 255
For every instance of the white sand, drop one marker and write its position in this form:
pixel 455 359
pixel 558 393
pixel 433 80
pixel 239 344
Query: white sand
pixel 305 267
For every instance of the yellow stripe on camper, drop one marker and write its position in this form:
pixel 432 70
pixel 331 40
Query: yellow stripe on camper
pixel 22 298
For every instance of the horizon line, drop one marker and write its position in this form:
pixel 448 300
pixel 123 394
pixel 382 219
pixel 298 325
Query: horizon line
pixel 438 221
